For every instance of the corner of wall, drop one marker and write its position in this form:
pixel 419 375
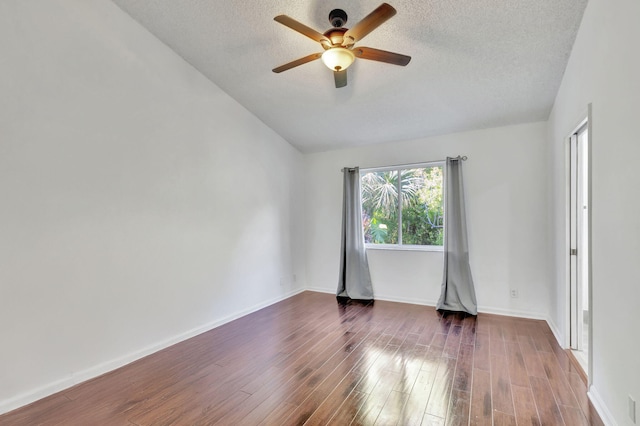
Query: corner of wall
pixel 556 332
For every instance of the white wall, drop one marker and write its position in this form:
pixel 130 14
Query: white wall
pixel 505 185
pixel 139 203
pixel 604 70
pixel 122 229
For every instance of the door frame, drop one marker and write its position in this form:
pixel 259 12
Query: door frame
pixel 587 119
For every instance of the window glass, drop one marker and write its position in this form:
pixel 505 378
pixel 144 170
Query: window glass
pixel 403 206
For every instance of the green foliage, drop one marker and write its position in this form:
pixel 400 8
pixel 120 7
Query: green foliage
pixel 420 202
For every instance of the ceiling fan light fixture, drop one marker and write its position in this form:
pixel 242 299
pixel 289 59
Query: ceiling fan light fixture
pixel 338 42
pixel 338 58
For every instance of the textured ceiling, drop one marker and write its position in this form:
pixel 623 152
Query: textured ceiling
pixel 475 64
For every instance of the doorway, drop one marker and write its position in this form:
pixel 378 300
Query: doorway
pixel 579 251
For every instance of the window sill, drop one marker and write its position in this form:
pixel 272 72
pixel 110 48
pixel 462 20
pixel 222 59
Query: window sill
pixel 395 247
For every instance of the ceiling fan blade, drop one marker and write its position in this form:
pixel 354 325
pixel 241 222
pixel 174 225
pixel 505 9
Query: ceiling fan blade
pixel 302 29
pixel 368 24
pixel 297 62
pixel 340 78
pixel 381 56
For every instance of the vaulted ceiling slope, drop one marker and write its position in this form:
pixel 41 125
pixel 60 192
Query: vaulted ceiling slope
pixel 475 64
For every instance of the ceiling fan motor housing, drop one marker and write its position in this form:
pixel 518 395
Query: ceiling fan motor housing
pixel 336 36
pixel 338 18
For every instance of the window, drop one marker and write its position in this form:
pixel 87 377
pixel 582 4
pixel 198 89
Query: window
pixel 402 207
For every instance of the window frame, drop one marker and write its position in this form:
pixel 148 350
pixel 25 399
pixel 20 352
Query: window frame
pixel 400 246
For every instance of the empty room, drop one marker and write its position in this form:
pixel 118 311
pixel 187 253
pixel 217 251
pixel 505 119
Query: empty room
pixel 338 212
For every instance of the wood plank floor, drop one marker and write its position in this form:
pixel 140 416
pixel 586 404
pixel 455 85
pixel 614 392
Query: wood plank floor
pixel 310 360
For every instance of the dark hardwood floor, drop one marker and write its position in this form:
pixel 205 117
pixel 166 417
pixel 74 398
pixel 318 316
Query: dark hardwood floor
pixel 309 360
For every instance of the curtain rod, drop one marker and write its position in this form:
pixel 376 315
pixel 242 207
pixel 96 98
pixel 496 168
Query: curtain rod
pixel 459 157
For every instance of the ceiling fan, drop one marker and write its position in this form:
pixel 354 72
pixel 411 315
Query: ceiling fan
pixel 338 42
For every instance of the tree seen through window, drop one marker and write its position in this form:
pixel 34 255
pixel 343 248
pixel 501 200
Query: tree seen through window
pixel 403 206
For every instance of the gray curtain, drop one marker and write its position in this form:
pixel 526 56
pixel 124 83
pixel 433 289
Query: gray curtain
pixel 354 281
pixel 458 293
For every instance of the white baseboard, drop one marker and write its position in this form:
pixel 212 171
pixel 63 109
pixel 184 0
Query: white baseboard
pixel 95 371
pixel 511 313
pixel 556 333
pixel 601 407
pixel 430 302
pixel 321 290
pixel 386 298
pixel 411 300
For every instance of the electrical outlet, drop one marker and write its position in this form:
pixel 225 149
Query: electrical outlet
pixel 632 409
pixel 514 293
pixel 295 278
